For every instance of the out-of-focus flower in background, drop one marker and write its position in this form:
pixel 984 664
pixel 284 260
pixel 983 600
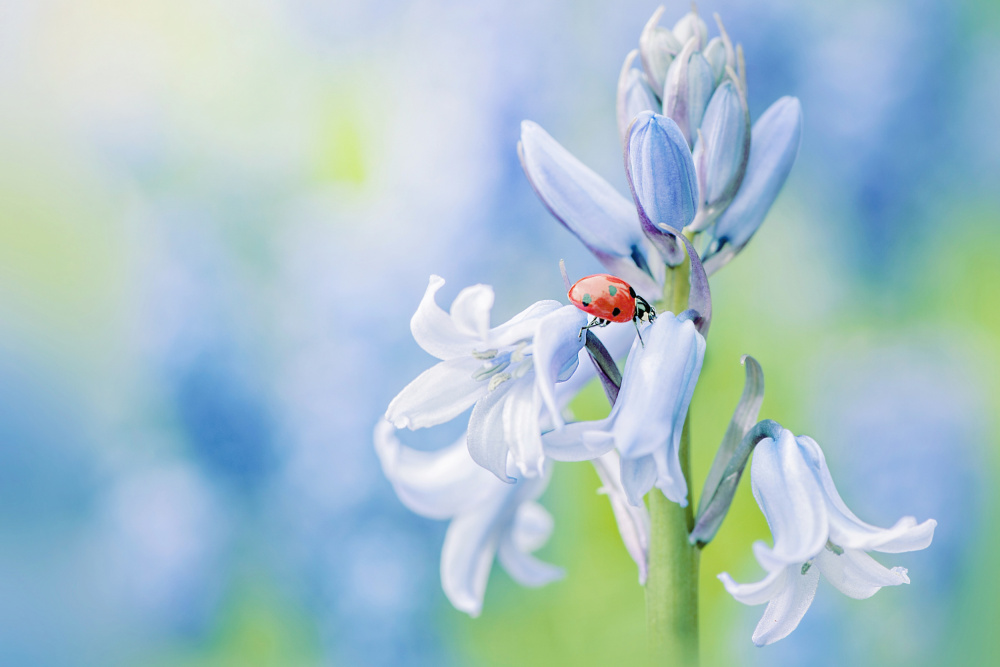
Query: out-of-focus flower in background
pixel 489 517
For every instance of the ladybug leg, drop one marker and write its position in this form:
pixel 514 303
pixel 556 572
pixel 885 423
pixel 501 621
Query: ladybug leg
pixel 638 333
pixel 596 322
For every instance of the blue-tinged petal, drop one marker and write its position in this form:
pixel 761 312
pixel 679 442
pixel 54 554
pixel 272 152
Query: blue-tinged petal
pixel 522 327
pixel 469 548
pixel 437 395
pixel 715 55
pixel 661 173
pixel 531 529
pixel 758 592
pixel 488 444
pixel 556 347
pixel 856 574
pixel 638 477
pixel 471 310
pixel 580 199
pixel 657 386
pixel 725 140
pixel 634 95
pixel 581 441
pixel 701 85
pixel 533 524
pixel 850 532
pixel 691 25
pixel 687 89
pixel 435 330
pixel 792 501
pixel 632 520
pixel 785 611
pixel 670 477
pixel 522 433
pixel 774 144
pixel 657 48
pixel 435 484
pixel 617 341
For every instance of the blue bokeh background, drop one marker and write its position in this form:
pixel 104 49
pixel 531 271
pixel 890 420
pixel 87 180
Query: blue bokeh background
pixel 217 217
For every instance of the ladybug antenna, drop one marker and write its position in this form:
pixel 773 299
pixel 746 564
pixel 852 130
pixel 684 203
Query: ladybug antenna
pixel 562 270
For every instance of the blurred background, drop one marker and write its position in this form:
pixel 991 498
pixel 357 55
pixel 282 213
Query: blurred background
pixel 217 217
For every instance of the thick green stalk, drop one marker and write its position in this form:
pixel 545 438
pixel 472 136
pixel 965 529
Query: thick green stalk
pixel 672 584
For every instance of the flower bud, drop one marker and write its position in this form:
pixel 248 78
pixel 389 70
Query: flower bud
pixel 687 89
pixel 720 154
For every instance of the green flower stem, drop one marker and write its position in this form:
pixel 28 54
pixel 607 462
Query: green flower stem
pixel 672 584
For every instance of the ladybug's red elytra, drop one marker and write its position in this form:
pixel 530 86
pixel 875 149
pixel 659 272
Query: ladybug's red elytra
pixel 609 299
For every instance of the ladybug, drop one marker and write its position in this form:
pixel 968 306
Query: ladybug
pixel 609 299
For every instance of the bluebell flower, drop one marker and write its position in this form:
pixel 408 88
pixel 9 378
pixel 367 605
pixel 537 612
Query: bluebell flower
pixel 489 519
pixel 646 422
pixel 506 372
pixel 718 175
pixel 814 533
pixel 592 209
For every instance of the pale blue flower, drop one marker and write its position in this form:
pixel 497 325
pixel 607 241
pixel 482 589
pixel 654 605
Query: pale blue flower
pixel 507 372
pixel 590 207
pixel 814 532
pixel 489 519
pixel 692 159
pixel 646 422
pixel 774 146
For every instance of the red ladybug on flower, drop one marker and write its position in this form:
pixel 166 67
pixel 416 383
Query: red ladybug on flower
pixel 609 299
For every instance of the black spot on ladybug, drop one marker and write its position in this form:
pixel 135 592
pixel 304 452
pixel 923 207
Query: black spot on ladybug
pixel 586 300
pixel 631 291
pixel 612 290
pixel 617 311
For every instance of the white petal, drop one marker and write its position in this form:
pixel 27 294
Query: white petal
pixel 791 499
pixel 471 311
pixel 634 95
pixel 785 611
pixel 633 521
pixel 435 331
pixel 532 526
pixel 856 574
pixel 758 592
pixel 691 25
pixel 617 340
pixel 530 531
pixel 437 395
pixel 488 443
pixel 582 441
pixel 521 327
pixel 638 477
pixel 469 547
pixel 556 346
pixel 850 532
pixel 670 478
pixel 434 484
pixel 520 425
